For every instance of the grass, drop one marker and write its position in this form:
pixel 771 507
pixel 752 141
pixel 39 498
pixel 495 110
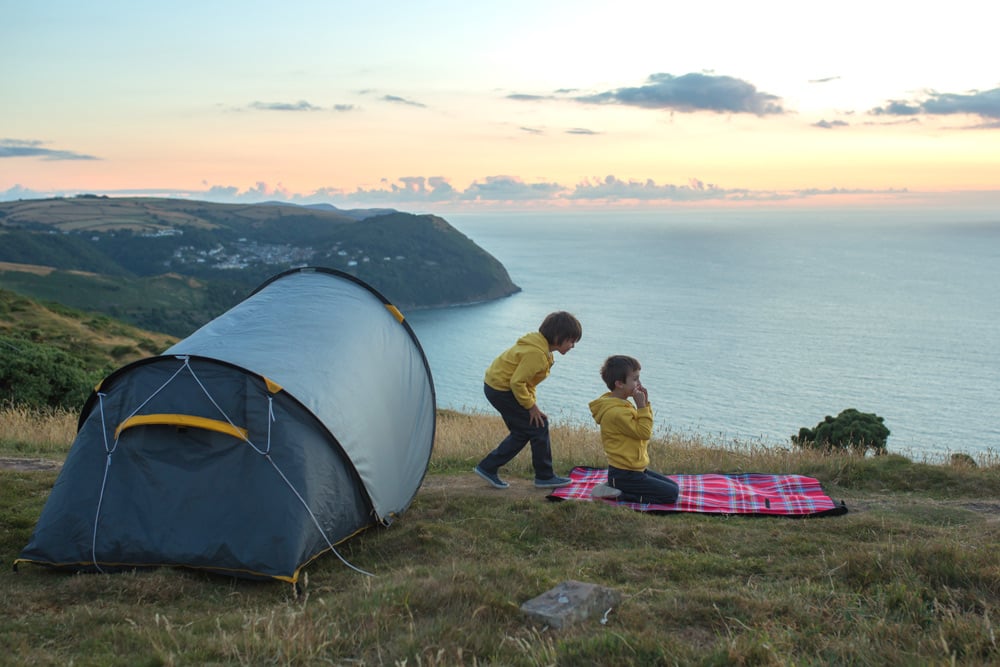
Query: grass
pixel 29 433
pixel 910 576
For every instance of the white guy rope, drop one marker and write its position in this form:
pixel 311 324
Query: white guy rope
pixel 265 453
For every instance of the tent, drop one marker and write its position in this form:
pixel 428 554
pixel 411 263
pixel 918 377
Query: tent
pixel 298 418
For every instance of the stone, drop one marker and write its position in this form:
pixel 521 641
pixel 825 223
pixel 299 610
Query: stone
pixel 571 602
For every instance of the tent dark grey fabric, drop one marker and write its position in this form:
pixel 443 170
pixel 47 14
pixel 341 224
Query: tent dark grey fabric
pixel 301 416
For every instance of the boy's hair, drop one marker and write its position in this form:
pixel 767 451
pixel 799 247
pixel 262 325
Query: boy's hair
pixel 617 367
pixel 559 327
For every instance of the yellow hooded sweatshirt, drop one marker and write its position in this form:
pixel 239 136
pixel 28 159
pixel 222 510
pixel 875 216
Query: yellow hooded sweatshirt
pixel 625 431
pixel 520 368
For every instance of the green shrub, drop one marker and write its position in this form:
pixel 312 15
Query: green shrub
pixel 37 375
pixel 857 431
pixel 120 351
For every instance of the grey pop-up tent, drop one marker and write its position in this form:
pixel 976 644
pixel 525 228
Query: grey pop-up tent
pixel 301 416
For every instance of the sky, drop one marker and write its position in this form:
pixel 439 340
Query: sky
pixel 462 106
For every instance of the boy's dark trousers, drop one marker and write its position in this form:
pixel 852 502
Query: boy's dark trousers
pixel 518 420
pixel 646 486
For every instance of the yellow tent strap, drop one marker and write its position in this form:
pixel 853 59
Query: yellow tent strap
pixel 395 311
pixel 183 420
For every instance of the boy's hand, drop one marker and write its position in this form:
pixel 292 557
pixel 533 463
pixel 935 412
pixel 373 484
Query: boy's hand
pixel 641 396
pixel 536 417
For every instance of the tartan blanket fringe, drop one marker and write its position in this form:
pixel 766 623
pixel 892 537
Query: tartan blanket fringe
pixel 748 494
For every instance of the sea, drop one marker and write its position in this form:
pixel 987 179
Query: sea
pixel 748 324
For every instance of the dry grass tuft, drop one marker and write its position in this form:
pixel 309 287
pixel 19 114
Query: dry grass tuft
pixel 465 438
pixel 32 432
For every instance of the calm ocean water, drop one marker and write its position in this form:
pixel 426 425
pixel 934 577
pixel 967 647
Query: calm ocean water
pixel 748 325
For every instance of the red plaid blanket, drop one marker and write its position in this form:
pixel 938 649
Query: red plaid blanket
pixel 743 493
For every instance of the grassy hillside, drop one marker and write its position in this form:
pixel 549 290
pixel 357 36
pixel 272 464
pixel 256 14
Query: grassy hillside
pixel 97 339
pixel 910 575
pixel 167 302
pixel 100 214
pixel 49 352
pixel 172 265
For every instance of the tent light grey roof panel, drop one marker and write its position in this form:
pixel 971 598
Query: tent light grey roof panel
pixel 335 346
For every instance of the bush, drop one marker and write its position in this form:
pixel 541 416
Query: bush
pixel 120 351
pixel 37 375
pixel 857 431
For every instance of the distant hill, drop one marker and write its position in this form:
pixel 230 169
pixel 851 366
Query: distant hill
pixel 171 265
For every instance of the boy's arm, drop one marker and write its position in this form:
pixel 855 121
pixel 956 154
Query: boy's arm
pixel 636 423
pixel 644 422
pixel 520 380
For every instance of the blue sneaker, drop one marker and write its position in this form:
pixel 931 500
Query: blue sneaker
pixel 553 482
pixel 492 478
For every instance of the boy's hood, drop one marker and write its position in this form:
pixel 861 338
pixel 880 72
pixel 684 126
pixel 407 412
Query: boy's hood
pixel 535 339
pixel 599 407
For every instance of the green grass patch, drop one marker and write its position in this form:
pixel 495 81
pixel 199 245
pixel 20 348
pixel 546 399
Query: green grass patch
pixel 911 575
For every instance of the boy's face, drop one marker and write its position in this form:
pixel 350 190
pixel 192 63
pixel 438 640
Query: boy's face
pixel 630 384
pixel 565 346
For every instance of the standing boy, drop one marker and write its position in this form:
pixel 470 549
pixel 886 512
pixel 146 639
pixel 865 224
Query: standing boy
pixel 625 434
pixel 509 386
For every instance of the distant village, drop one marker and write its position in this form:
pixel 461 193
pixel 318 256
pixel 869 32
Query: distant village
pixel 247 253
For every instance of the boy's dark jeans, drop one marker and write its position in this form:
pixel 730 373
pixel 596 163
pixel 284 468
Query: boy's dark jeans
pixel 646 486
pixel 518 420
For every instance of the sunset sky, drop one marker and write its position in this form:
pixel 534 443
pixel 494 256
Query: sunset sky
pixel 458 105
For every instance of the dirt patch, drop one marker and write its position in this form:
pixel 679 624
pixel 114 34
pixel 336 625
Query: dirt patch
pixel 984 507
pixel 28 464
pixel 472 484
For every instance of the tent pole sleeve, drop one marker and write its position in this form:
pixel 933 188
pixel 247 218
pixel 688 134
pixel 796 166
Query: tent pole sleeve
pixel 183 421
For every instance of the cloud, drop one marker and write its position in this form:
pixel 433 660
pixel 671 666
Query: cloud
pixel 690 93
pixel 435 188
pixel 223 192
pixel 260 191
pixel 827 79
pixel 30 148
pixel 408 189
pixel 520 97
pixel 409 192
pixel 912 120
pixel 580 130
pixel 532 130
pixel 817 192
pixel 896 108
pixel 343 107
pixel 830 124
pixel 301 105
pixel 985 104
pixel 510 188
pixel 613 188
pixel 395 99
pixel 20 192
